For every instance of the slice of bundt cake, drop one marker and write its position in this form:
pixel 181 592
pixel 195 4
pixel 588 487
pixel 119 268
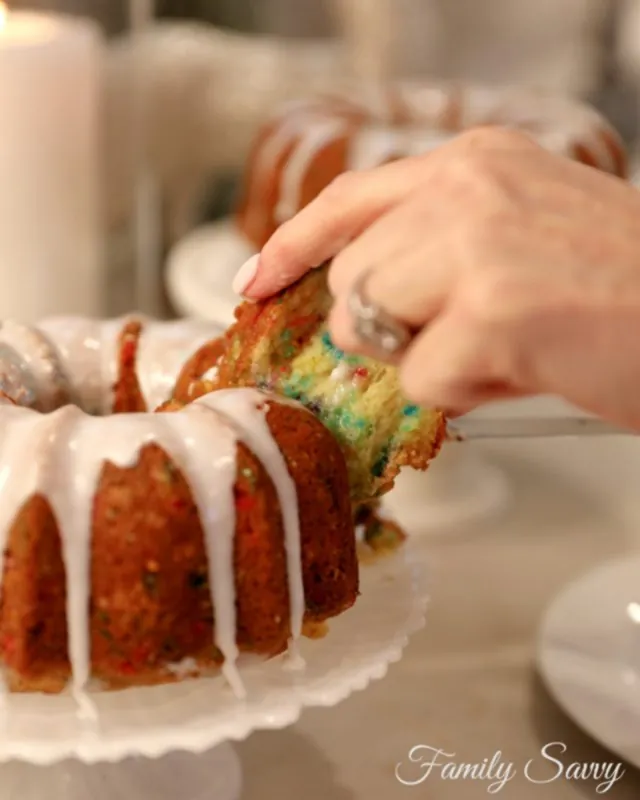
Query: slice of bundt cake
pixel 283 345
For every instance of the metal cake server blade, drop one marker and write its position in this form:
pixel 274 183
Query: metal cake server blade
pixel 465 429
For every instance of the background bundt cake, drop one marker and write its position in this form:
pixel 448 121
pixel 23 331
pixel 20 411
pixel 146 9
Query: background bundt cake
pixel 310 142
pixel 137 547
pixel 282 345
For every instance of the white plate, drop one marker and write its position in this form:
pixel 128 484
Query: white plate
pixel 201 269
pixel 199 714
pixel 589 655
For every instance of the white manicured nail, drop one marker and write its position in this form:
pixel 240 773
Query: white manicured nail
pixel 246 274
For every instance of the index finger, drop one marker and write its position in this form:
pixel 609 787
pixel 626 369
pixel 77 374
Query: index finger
pixel 352 202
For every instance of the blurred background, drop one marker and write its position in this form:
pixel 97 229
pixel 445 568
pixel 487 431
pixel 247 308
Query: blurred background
pixel 205 62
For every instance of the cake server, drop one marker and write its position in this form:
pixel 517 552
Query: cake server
pixel 469 428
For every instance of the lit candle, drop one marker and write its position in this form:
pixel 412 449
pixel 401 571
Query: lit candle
pixel 51 242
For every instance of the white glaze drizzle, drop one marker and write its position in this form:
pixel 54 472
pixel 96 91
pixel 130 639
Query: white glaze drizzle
pixel 40 362
pixel 69 470
pixel 372 146
pixel 317 136
pixel 281 137
pixel 376 144
pixel 247 409
pixel 68 449
pixel 205 451
pixel 284 133
pixel 425 103
pixel 87 350
pixel 163 349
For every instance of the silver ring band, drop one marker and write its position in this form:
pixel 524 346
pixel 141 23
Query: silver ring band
pixel 373 325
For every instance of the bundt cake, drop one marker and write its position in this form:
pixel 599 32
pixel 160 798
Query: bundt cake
pixel 310 142
pixel 283 345
pixel 139 547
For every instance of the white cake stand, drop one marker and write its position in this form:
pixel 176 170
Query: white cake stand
pixel 170 742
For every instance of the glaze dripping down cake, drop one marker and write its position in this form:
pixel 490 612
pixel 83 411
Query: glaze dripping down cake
pixel 135 542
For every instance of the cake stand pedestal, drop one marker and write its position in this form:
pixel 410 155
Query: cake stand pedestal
pixel 179 776
pixel 461 488
pixel 170 742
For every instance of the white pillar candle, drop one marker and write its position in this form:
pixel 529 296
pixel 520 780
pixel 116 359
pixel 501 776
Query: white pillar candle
pixel 51 242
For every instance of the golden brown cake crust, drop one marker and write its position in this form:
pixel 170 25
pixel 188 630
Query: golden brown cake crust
pixel 127 394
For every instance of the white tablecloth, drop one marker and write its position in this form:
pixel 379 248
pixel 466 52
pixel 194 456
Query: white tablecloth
pixel 467 683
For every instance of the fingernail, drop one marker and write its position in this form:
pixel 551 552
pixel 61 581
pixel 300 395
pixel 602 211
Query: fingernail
pixel 246 274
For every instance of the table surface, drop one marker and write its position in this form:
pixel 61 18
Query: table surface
pixel 467 683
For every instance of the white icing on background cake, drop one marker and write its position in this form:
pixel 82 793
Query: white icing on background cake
pixel 318 135
pixel 430 114
pixel 61 455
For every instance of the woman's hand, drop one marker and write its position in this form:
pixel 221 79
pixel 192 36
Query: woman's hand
pixel 519 269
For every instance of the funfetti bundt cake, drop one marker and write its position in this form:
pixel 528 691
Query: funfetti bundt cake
pixel 138 547
pixel 283 345
pixel 310 142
